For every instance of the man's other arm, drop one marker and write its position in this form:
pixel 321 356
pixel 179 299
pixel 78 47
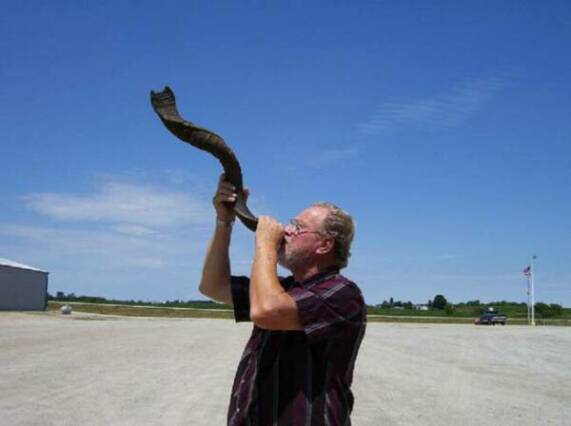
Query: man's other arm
pixel 215 282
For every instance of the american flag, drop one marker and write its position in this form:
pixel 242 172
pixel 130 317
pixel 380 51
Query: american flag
pixel 527 271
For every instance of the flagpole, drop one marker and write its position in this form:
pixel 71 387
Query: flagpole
pixel 528 300
pixel 532 280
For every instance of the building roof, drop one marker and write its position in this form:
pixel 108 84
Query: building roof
pixel 12 264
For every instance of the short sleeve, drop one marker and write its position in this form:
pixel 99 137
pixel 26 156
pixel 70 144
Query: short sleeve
pixel 240 287
pixel 331 309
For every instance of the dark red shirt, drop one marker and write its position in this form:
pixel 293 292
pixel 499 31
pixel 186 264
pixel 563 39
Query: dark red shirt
pixel 293 378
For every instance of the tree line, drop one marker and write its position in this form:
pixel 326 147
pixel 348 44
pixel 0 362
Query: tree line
pixel 437 303
pixel 440 303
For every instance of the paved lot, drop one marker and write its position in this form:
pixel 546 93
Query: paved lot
pixel 92 370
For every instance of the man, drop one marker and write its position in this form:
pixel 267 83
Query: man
pixel 297 367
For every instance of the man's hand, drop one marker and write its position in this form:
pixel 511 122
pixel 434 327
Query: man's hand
pixel 269 234
pixel 271 307
pixel 225 198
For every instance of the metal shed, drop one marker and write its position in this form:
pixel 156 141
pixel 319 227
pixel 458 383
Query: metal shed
pixel 22 287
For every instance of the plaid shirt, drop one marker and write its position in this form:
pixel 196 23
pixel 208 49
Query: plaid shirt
pixel 300 377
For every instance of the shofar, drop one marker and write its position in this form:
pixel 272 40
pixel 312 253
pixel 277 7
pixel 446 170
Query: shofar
pixel 164 104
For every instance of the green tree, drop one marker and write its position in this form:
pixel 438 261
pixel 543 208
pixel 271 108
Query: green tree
pixel 548 311
pixel 439 302
pixel 449 309
pixel 556 309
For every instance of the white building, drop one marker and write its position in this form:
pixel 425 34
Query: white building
pixel 22 287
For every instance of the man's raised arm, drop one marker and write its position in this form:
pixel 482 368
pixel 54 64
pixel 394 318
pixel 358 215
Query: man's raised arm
pixel 215 282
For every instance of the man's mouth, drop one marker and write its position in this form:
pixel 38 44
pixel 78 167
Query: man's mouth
pixel 283 243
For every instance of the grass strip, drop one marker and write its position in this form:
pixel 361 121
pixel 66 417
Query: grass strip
pixel 143 311
pixel 171 312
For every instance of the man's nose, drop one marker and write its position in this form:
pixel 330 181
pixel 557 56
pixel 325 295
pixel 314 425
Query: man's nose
pixel 289 229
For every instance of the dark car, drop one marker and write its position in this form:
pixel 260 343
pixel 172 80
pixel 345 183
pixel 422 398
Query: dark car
pixel 491 319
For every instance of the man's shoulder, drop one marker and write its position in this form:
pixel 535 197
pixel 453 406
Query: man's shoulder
pixel 338 284
pixel 338 279
pixel 346 280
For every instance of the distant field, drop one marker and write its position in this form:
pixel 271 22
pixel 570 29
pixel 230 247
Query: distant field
pixel 221 313
pixel 143 311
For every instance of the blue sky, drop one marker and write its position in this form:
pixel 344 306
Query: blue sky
pixel 443 127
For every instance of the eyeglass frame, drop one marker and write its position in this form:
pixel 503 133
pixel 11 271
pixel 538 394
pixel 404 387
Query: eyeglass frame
pixel 299 230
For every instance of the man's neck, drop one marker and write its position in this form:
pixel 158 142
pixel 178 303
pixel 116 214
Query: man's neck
pixel 305 273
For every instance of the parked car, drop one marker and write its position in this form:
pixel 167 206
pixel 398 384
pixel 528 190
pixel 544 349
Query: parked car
pixel 491 319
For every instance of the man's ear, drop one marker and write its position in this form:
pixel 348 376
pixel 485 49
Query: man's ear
pixel 326 246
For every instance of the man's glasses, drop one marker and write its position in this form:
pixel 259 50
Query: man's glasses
pixel 295 228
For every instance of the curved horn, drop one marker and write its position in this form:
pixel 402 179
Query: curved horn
pixel 164 104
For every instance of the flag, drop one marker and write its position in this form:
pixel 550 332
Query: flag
pixel 527 271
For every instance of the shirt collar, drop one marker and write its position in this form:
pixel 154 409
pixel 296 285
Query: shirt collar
pixel 330 270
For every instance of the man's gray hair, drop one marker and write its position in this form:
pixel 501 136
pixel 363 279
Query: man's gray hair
pixel 340 225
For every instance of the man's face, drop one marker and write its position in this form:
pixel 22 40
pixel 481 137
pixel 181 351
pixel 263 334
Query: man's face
pixel 302 238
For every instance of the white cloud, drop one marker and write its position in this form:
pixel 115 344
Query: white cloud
pixel 124 239
pixel 124 203
pixel 114 248
pixel 446 110
pixel 117 227
pixel 330 156
pixel 111 264
pixel 137 230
